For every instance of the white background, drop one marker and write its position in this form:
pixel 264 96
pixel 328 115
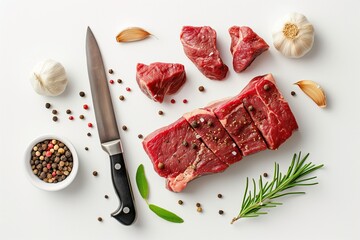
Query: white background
pixel 31 31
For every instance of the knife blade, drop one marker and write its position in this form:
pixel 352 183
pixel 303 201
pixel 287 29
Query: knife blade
pixel 108 131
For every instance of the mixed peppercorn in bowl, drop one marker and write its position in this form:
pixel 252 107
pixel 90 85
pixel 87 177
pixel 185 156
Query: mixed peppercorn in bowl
pixel 51 162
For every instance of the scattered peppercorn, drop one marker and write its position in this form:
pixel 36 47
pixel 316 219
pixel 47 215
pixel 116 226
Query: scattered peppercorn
pixel 124 128
pixel 82 94
pixel 119 80
pixel 180 202
pixel 185 101
pixel 293 93
pixel 88 134
pixel 100 219
pixel 250 108
pixel 193 146
pixel 161 112
pixel 265 174
pixel 161 165
pixel 55 118
pixel 95 173
pixel 221 212
pixel 210 123
pixel 106 196
pixel 54 112
pixel 47 105
pixel 199 209
pixel 266 87
pixel 219 195
pixel 86 107
pixel 198 205
pixel 71 118
pixel 68 111
pixel 90 125
pixel 194 124
pixel 185 143
pixel 128 89
pixel 201 88
pixel 111 71
pixel 111 81
pixel 172 101
pixel 86 149
pixel 122 98
pixel 140 136
pixel 81 116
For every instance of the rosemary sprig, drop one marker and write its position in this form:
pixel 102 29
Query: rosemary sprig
pixel 262 196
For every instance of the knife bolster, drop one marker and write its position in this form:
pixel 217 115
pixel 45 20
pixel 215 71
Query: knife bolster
pixel 113 147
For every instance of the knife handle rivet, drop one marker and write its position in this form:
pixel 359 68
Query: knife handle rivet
pixel 126 210
pixel 117 166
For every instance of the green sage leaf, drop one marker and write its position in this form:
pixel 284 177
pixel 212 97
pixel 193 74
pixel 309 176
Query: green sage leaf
pixel 165 214
pixel 141 182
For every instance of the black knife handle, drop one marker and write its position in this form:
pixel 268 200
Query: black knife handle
pixel 126 212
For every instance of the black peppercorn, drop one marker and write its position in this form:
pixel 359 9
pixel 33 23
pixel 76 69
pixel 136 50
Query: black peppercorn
pixel 54 112
pixel 82 94
pixel 111 71
pixel 124 128
pixel 106 196
pixel 55 118
pixel 86 148
pixel 265 174
pixel 47 105
pixel 221 212
pixel 201 88
pixel 119 80
pixel 219 195
pixel 81 117
pixel 140 136
pixel 68 111
pixel 95 173
pixel 122 98
pixel 293 93
pixel 250 108
pixel 88 134
pixel 266 87
pixel 193 146
pixel 194 124
pixel 180 202
pixel 185 143
pixel 160 112
pixel 198 205
pixel 100 219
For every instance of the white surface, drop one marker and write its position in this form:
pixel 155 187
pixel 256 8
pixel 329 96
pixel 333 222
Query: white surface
pixel 31 31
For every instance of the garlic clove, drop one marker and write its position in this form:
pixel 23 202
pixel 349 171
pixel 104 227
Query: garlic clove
pixel 293 35
pixel 314 91
pixel 49 78
pixel 132 34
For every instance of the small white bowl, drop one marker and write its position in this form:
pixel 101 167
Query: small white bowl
pixel 35 180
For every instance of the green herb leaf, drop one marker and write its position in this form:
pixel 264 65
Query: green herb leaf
pixel 165 214
pixel 141 182
pixel 258 200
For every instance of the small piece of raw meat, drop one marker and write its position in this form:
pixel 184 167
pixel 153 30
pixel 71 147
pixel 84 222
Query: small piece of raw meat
pixel 179 156
pixel 200 47
pixel 238 123
pixel 246 45
pixel 159 79
pixel 269 110
pixel 210 130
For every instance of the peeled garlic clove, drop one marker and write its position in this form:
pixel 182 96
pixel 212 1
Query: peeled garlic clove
pixel 132 34
pixel 314 91
pixel 293 35
pixel 49 78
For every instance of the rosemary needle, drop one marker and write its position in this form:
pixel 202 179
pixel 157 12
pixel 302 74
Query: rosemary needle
pixel 262 196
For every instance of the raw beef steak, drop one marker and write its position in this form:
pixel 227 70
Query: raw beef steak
pixel 238 123
pixel 210 130
pixel 200 46
pixel 159 79
pixel 269 110
pixel 179 156
pixel 245 47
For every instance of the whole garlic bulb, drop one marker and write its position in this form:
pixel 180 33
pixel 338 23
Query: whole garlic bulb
pixel 293 35
pixel 49 78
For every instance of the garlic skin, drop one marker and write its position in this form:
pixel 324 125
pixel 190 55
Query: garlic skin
pixel 293 35
pixel 49 78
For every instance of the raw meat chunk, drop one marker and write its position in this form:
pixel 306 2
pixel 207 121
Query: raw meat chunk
pixel 159 79
pixel 179 156
pixel 210 130
pixel 200 47
pixel 246 45
pixel 269 110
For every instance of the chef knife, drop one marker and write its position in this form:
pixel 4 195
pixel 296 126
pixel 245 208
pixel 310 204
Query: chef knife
pixel 108 130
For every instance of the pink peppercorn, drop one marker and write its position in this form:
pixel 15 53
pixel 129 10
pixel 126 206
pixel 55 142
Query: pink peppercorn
pixel 185 101
pixel 48 154
pixel 53 174
pixel 48 166
pixel 111 81
pixel 172 101
pixel 128 89
pixel 90 125
pixel 86 107
pixel 71 118
pixel 50 146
